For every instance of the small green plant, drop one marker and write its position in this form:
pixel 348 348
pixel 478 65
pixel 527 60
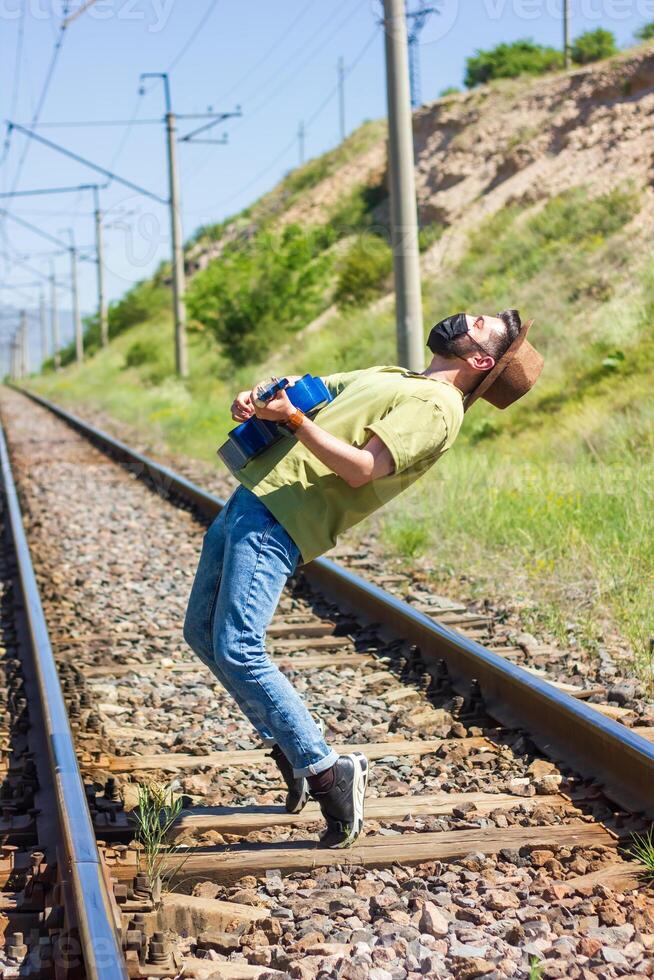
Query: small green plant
pixel 593 46
pixel 157 812
pixel 429 235
pixel 449 90
pixel 363 271
pixel 409 536
pixel 355 211
pixel 535 968
pixel 485 429
pixel 523 57
pixel 646 32
pixel 141 352
pixel 261 290
pixel 141 302
pixel 643 851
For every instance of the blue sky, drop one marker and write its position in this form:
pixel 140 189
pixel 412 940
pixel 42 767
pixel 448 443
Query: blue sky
pixel 277 60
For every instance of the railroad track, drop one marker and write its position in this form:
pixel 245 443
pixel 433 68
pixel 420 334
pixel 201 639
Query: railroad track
pixel 495 799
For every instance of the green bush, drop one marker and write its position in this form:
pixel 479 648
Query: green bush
pixel 363 271
pixel 593 46
pixel 570 224
pixel 523 57
pixel 448 90
pixel 646 32
pixel 428 235
pixel 141 302
pixel 261 290
pixel 141 352
pixel 355 211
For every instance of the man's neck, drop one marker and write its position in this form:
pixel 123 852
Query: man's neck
pixel 453 370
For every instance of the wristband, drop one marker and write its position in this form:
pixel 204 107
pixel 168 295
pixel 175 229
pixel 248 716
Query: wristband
pixel 294 421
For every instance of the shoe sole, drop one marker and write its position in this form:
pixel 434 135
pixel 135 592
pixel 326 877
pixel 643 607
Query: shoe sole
pixel 359 794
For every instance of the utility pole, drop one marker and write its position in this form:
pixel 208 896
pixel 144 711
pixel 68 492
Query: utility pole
pixel 566 33
pixel 172 201
pixel 44 329
pixel 179 277
pixel 404 216
pixel 418 19
pixel 99 256
pixel 74 292
pixel 300 141
pixel 341 95
pixel 54 319
pixel 24 368
pixel 15 363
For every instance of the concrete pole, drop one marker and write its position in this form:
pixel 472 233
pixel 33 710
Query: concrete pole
pixel 54 319
pixel 99 253
pixel 300 142
pixel 44 329
pixel 404 216
pixel 566 33
pixel 15 355
pixel 24 357
pixel 74 291
pixel 179 277
pixel 341 96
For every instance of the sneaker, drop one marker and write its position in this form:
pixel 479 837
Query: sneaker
pixel 298 788
pixel 342 805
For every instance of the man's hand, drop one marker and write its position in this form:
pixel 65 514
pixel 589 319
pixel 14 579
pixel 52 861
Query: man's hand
pixel 278 409
pixel 242 408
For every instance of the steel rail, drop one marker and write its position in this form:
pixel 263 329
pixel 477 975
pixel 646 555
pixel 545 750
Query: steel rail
pixel 77 853
pixel 564 727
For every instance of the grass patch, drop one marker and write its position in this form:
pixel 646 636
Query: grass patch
pixel 642 850
pixel 155 816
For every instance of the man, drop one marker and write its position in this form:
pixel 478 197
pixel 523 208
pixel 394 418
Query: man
pixel 384 428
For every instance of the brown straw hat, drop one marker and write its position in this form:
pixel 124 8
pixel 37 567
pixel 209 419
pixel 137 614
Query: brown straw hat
pixel 513 375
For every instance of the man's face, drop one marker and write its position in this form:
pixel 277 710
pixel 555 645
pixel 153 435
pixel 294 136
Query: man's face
pixel 482 331
pixel 482 327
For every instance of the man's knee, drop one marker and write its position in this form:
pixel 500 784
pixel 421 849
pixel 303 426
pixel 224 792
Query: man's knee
pixel 196 638
pixel 233 654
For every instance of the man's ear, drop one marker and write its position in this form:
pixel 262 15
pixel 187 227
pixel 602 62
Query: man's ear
pixel 481 362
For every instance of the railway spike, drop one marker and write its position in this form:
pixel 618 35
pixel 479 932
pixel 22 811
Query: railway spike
pixel 475 698
pixel 441 678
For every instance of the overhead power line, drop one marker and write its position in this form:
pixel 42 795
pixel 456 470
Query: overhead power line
pixel 88 163
pixel 193 35
pixel 17 69
pixel 58 44
pixel 77 13
pixel 273 47
pixel 293 141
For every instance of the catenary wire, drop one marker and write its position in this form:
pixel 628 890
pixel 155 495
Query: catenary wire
pixel 193 35
pixel 264 57
pixel 262 173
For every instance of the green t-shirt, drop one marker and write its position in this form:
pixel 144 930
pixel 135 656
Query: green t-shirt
pixel 418 419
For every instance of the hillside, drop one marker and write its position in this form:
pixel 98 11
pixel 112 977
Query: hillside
pixel 532 193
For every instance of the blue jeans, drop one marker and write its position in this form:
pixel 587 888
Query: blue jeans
pixel 247 556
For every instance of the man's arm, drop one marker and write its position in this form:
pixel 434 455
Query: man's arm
pixel 356 466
